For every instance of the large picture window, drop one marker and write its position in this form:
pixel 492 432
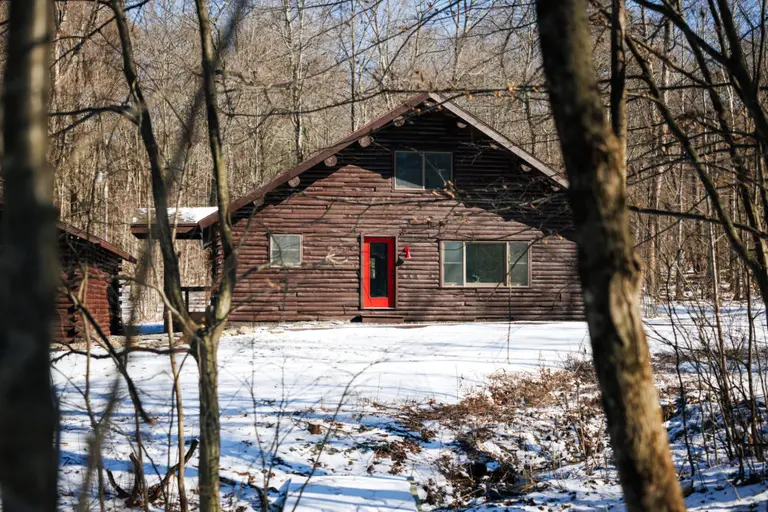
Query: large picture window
pixel 422 170
pixel 285 250
pixel 486 263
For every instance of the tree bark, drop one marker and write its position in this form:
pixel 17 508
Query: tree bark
pixel 176 372
pixel 619 78
pixel 30 269
pixel 653 231
pixel 208 339
pixel 608 266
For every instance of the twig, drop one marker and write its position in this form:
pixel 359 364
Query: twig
pixel 156 490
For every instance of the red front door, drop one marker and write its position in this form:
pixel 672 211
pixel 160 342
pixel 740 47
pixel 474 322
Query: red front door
pixel 378 272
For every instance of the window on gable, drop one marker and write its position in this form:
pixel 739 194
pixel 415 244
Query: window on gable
pixel 437 170
pixel 422 170
pixel 285 250
pixel 485 263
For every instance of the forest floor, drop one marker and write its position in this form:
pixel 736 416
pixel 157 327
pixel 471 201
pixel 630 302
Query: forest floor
pixel 480 417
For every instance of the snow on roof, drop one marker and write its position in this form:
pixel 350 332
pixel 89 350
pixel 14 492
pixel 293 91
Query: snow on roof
pixel 186 215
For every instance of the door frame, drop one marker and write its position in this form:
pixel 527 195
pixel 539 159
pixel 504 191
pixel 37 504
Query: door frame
pixel 361 273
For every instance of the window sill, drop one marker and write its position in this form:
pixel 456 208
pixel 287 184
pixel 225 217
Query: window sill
pixel 403 189
pixel 484 286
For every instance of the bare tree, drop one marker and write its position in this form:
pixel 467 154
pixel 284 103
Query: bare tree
pixel 207 344
pixel 293 35
pixel 30 269
pixel 608 266
pixel 203 338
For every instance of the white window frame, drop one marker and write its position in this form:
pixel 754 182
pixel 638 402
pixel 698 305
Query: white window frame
pixel 286 265
pixel 528 263
pixel 423 170
pixel 507 279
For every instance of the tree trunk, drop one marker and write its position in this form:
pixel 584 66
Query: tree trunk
pixel 608 266
pixel 175 371
pixel 619 79
pixel 655 245
pixel 207 341
pixel 171 273
pixel 30 269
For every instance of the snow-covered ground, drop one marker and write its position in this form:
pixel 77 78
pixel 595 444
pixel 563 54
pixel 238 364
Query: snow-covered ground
pixel 332 396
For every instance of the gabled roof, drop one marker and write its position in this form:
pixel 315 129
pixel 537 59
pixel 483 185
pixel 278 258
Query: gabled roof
pixel 378 124
pixel 501 140
pixel 434 101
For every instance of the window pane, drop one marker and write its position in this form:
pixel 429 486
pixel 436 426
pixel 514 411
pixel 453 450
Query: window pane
pixel 453 274
pixel 437 170
pixel 453 263
pixel 519 255
pixel 285 249
pixel 486 263
pixel 452 252
pixel 378 278
pixel 408 170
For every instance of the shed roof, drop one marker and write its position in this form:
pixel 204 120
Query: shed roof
pixel 185 215
pixel 89 237
pixel 95 240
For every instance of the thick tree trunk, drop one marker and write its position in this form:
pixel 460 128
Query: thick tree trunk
pixel 30 269
pixel 206 345
pixel 608 266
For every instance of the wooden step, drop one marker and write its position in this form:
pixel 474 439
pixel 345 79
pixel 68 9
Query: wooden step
pixel 382 318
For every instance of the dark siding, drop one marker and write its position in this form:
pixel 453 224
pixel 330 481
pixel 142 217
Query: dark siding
pixel 102 296
pixel 332 207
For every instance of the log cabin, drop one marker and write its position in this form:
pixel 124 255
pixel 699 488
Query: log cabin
pixel 424 214
pixel 83 254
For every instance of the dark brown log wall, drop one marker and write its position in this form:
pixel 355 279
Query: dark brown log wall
pixel 78 253
pixel 497 197
pixel 101 295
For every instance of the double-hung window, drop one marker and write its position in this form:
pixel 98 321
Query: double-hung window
pixel 481 263
pixel 422 170
pixel 285 250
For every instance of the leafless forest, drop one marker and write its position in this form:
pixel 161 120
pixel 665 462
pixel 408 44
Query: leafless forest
pixel 656 112
pixel 294 77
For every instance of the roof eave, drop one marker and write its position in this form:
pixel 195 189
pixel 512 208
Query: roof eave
pixel 371 127
pixel 187 231
pixel 96 241
pixel 501 139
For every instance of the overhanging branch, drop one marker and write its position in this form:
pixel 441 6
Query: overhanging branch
pixel 697 217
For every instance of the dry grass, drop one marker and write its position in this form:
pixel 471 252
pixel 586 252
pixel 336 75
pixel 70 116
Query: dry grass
pixel 509 405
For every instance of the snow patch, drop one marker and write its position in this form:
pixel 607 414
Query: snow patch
pixel 184 215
